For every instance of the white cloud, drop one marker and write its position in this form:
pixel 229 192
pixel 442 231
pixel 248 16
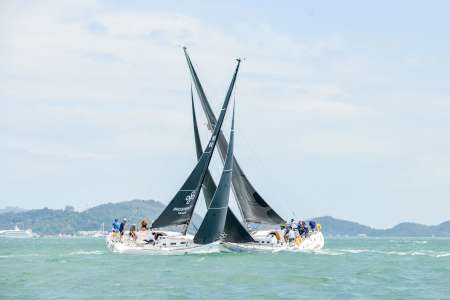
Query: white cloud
pixel 108 88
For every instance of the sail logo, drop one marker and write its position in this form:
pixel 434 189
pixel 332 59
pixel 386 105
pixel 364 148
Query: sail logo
pixel 190 197
pixel 182 210
pixel 213 139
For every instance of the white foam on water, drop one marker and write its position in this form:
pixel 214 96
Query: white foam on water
pixel 81 252
pixel 328 252
pixel 355 251
pixel 429 253
pixel 337 252
pixel 279 250
pixel 358 251
pixel 21 255
pixel 443 255
pixel 401 253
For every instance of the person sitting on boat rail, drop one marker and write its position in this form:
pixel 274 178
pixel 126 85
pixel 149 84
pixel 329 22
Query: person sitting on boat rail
pixel 122 227
pixel 145 235
pixel 144 226
pixel 132 233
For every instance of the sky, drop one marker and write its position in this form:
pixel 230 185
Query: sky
pixel 342 107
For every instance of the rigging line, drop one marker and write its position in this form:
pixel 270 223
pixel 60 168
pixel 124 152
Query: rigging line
pixel 238 204
pixel 198 208
pixel 195 227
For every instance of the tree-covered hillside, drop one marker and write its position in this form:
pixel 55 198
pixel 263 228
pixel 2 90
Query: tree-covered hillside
pixel 68 221
pixel 332 226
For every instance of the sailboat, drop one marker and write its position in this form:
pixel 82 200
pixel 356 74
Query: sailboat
pixel 180 209
pixel 253 208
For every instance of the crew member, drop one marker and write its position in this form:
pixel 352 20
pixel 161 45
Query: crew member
pixel 115 229
pixel 122 227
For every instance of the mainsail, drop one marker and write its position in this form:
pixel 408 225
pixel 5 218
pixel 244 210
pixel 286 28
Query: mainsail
pixel 180 209
pixel 212 227
pixel 234 231
pixel 253 207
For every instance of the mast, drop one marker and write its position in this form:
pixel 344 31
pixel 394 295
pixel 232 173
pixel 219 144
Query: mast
pixel 180 209
pixel 253 207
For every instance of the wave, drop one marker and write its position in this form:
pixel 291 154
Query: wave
pixel 400 253
pixel 408 241
pixel 328 252
pixel 81 252
pixel 350 251
pixel 355 251
pixel 21 255
pixel 443 255
pixel 319 252
pixel 429 253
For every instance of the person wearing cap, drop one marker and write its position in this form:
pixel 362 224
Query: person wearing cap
pixel 122 227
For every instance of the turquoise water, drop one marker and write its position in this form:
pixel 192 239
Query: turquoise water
pixel 346 269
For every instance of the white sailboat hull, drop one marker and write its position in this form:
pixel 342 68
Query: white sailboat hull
pixel 168 245
pixel 313 242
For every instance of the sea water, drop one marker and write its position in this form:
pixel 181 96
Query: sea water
pixel 347 268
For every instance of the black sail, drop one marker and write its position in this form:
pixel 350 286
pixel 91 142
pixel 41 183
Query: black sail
pixel 253 207
pixel 234 231
pixel 212 227
pixel 180 209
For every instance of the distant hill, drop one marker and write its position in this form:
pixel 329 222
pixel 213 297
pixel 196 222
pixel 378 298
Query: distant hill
pixel 11 209
pixel 336 227
pixel 332 226
pixel 68 221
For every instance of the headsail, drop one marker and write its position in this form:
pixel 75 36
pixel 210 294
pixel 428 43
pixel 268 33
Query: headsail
pixel 180 209
pixel 234 231
pixel 212 227
pixel 253 207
